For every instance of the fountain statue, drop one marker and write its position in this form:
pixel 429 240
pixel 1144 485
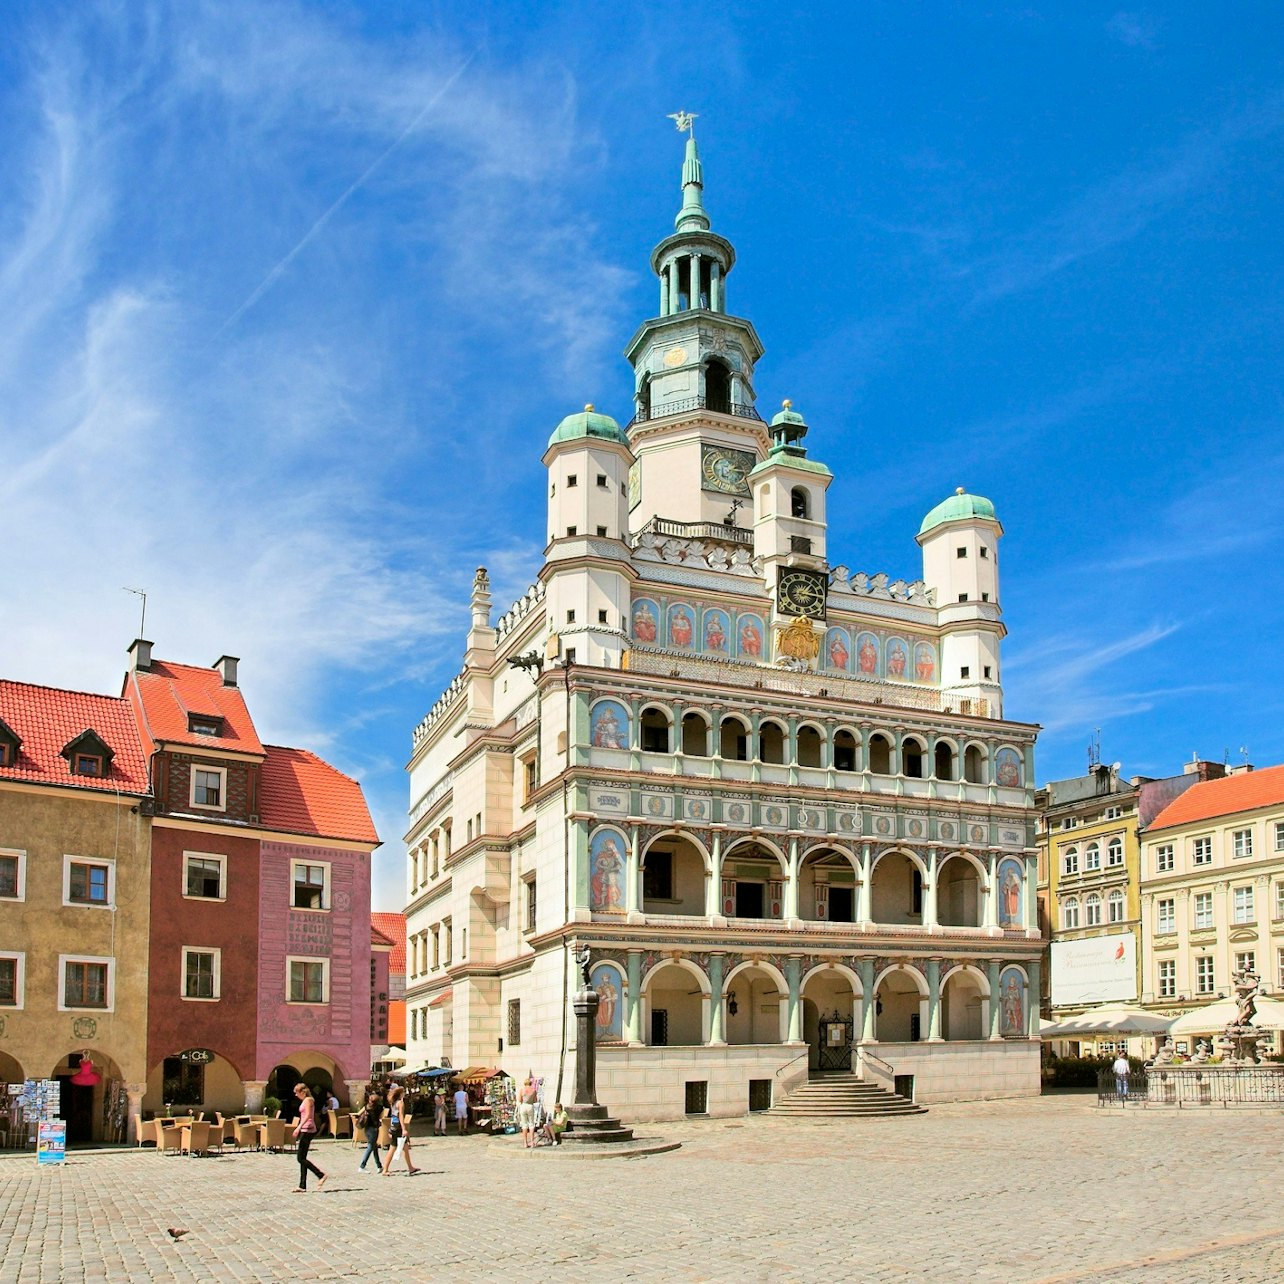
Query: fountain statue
pixel 1238 1042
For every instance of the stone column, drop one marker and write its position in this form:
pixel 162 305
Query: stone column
pixel 254 1089
pixel 632 900
pixel 695 281
pixel 356 1090
pixel 992 975
pixel 791 882
pixel 1032 893
pixel 664 292
pixel 715 286
pixel 134 1094
pixel 716 962
pixel 713 888
pixel 934 1001
pixel 1035 997
pixel 633 1001
pixel 867 1000
pixel 992 897
pixel 585 1005
pixel 929 891
pixel 793 974
pixel 865 900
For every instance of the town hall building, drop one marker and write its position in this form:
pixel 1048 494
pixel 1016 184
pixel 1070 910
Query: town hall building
pixel 776 798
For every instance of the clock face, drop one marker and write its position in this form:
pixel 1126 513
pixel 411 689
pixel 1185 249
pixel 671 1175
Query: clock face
pixel 726 470
pixel 675 357
pixel 801 592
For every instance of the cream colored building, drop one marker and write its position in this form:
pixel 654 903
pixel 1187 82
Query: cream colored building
pixel 1212 891
pixel 777 799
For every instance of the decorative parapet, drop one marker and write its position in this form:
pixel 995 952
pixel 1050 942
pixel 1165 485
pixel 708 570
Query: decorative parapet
pixel 432 797
pixel 519 610
pixel 878 585
pixel 444 701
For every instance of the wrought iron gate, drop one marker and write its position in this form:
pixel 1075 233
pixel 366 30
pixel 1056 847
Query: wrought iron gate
pixel 835 1043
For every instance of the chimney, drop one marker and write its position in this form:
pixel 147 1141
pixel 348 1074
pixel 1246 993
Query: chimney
pixel 226 665
pixel 140 655
pixel 1204 769
pixel 1240 769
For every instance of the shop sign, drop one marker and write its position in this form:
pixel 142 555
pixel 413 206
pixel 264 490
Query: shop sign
pixel 51 1141
pixel 197 1056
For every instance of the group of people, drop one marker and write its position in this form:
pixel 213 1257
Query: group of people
pixel 527 1107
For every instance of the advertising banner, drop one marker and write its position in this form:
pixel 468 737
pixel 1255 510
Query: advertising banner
pixel 1100 970
pixel 51 1141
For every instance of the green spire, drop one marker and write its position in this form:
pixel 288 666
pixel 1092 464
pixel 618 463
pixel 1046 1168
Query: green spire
pixel 691 217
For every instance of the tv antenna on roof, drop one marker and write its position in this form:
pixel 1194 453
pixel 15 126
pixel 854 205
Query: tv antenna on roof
pixel 139 593
pixel 1094 751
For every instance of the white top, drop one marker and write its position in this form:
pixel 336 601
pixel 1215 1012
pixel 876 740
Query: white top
pixel 1121 1064
pixel 461 1102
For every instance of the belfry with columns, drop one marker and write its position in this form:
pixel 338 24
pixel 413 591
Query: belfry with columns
pixel 776 798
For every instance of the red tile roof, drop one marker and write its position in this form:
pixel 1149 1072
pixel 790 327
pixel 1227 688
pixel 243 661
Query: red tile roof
pixel 301 794
pixel 393 926
pixel 169 692
pixel 1210 798
pixel 377 938
pixel 46 718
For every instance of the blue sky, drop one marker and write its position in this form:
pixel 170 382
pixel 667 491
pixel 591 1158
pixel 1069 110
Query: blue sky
pixel 291 296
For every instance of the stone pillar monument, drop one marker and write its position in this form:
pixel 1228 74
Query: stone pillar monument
pixel 589 1120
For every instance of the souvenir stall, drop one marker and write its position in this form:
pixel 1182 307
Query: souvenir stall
pixel 501 1096
pixel 476 1081
pixel 422 1089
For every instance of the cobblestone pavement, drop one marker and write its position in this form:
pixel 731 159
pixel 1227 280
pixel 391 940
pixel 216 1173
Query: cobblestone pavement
pixel 1042 1190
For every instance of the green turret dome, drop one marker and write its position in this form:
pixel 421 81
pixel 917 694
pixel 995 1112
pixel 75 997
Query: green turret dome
pixel 588 423
pixel 959 507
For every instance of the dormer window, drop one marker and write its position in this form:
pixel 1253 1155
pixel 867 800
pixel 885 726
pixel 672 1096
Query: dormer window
pixel 205 724
pixel 10 743
pixel 6 754
pixel 88 754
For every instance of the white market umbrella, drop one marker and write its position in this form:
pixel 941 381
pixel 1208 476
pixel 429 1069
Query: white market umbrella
pixel 1216 1016
pixel 1111 1020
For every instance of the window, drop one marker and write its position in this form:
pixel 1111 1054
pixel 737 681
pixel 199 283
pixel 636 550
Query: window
pixel 988 671
pixel 1115 907
pixel 532 902
pixel 1070 822
pixel 183 1082
pixel 601 480
pixel 965 671
pixel 1070 914
pixel 1243 905
pixel 86 983
pixel 1114 852
pixel 1113 813
pixel 570 617
pixel 1093 911
pixel 1279 969
pixel 1246 961
pixel 572 479
pixel 962 597
pixel 6 754
pixel 1070 861
pixel 203 876
pixel 1168 979
pixel 13 875
pixel 514 1023
pixel 1204 974
pixel 436 946
pixel 1165 916
pixel 657 876
pixel 601 530
pixel 208 787
pixel 200 973
pixel 985 552
pixel 309 980
pixel 1279 835
pixel 570 655
pixel 985 597
pixel 572 530
pixel 1242 843
pixel 961 553
pixel 88 882
pixel 11 966
pixel 1164 859
pixel 1092 857
pixel 311 886
pixel 87 764
pixel 447 941
pixel 1202 851
pixel 1279 900
pixel 601 615
pixel 204 724
pixel 1203 910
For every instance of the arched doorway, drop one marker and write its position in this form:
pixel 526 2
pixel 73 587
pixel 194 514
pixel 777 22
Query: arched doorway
pixel 900 1006
pixel 673 877
pixel 11 1120
pixel 958 893
pixel 753 882
pixel 827 887
pixel 280 1084
pixel 675 1005
pixel 896 889
pixel 194 1079
pixel 965 997
pixel 94 1112
pixel 717 387
pixel 830 1013
pixel 756 995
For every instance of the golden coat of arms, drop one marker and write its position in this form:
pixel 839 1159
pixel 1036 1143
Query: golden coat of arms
pixel 798 641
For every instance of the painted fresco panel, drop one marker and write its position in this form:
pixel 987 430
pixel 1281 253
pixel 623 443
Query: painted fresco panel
pixel 609 984
pixel 609 725
pixel 1011 882
pixel 607 870
pixel 750 632
pixel 924 662
pixel 1012 987
pixel 897 665
pixel 868 654
pixel 716 631
pixel 682 626
pixel 1007 767
pixel 838 650
pixel 646 617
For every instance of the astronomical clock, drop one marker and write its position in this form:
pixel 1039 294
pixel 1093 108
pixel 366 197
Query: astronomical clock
pixel 726 470
pixel 801 592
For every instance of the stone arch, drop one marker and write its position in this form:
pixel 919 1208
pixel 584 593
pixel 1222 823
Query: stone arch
pixel 733 738
pixel 962 886
pixel 895 893
pixel 846 749
pixel 828 889
pixel 675 999
pixel 810 745
pixel 842 969
pixel 695 736
pixel 674 832
pixel 976 763
pixel 914 758
pixel 222 1083
pixel 766 844
pixel 10 1069
pixel 901 992
pixel 655 728
pixel 744 891
pixel 965 1003
pixel 755 1021
pixel 829 989
pixel 773 741
pixel 84 1106
pixel 315 1068
pixel 881 750
pixel 945 754
pixel 676 885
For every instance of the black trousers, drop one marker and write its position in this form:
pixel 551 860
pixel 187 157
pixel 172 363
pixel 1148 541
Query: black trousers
pixel 305 1164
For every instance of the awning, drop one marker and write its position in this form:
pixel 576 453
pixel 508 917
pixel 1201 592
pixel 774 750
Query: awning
pixel 1216 1016
pixel 434 1072
pixel 1109 1020
pixel 478 1074
pixel 441 998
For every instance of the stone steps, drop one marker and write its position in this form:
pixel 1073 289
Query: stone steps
pixel 843 1096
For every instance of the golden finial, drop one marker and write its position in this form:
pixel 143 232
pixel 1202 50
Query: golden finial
pixel 958 490
pixel 588 410
pixel 787 404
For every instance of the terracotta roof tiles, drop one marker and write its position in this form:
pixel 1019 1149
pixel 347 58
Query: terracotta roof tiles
pixel 170 692
pixel 1246 791
pixel 393 926
pixel 301 794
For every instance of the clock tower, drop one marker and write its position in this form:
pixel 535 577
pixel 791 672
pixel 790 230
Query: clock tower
pixel 695 431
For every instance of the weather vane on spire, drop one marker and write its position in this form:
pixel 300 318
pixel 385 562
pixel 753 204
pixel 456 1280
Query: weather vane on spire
pixel 685 121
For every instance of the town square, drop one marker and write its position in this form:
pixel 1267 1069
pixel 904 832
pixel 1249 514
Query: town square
pixel 639 644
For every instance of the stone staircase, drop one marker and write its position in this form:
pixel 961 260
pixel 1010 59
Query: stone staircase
pixel 842 1095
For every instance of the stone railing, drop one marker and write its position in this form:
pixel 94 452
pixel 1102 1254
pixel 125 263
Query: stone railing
pixel 519 610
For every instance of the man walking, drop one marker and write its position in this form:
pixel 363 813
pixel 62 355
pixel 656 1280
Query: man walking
pixel 461 1110
pixel 1122 1070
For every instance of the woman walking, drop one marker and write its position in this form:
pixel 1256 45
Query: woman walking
pixel 526 1103
pixel 304 1131
pixel 399 1130
pixel 439 1114
pixel 369 1119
